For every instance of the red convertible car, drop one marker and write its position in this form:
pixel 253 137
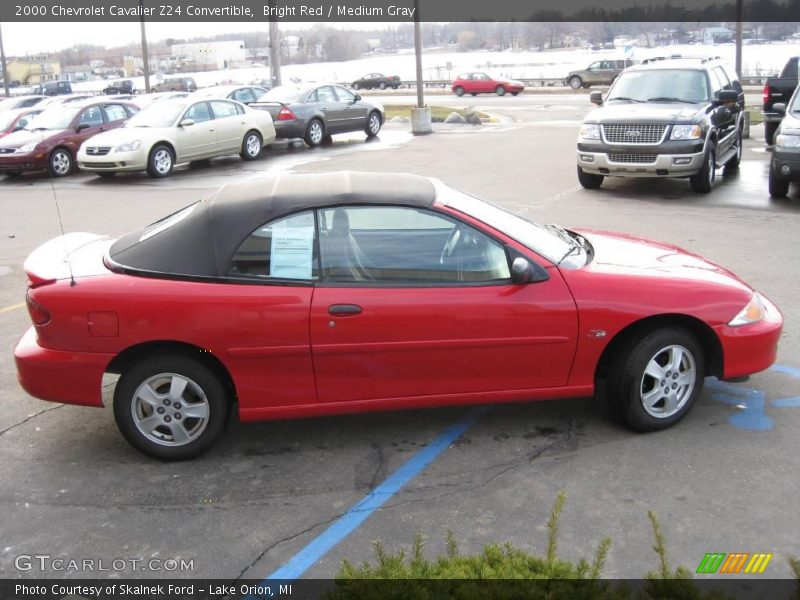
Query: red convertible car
pixel 481 83
pixel 299 295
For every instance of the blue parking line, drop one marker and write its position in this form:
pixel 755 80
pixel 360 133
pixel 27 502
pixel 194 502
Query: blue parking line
pixel 787 370
pixel 361 510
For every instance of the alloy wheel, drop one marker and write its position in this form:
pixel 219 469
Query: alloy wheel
pixel 668 381
pixel 170 409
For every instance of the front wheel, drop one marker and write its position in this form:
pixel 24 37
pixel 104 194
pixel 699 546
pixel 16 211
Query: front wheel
pixel 654 381
pixel 160 161
pixel 769 132
pixel 778 186
pixel 703 181
pixel 60 163
pixel 575 82
pixel 170 407
pixel 315 134
pixel 500 90
pixel 382 85
pixel 373 124
pixel 590 181
pixel 251 146
pixel 459 91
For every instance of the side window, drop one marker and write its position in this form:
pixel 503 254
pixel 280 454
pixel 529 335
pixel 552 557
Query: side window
pixel 223 109
pixel 723 78
pixel 312 97
pixel 391 244
pixel 92 117
pixel 243 95
pixel 326 94
pixel 29 102
pixel 258 92
pixel 198 112
pixel 344 95
pixel 281 249
pixel 115 112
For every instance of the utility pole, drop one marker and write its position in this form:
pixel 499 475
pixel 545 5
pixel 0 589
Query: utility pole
pixel 145 53
pixel 274 49
pixel 421 115
pixel 739 16
pixel 3 60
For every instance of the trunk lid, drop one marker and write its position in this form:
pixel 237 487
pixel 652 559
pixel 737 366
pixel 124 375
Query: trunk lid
pixel 73 255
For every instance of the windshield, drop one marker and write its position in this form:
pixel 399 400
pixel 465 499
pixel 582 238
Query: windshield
pixel 284 93
pixel 7 118
pixel 661 85
pixel 159 114
pixel 56 117
pixel 538 238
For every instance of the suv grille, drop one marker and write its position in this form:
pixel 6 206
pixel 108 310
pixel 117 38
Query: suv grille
pixel 634 134
pixel 98 150
pixel 642 159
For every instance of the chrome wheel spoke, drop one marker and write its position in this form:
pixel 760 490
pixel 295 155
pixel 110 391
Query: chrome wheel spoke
pixel 675 359
pixel 650 398
pixel 177 387
pixel 195 411
pixel 148 395
pixel 686 378
pixel 655 370
pixel 148 424
pixel 179 433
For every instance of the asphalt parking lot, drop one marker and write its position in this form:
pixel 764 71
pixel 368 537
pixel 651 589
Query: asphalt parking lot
pixel 723 480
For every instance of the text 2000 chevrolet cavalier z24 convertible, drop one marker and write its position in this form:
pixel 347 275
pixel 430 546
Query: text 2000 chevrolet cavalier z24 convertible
pixel 300 295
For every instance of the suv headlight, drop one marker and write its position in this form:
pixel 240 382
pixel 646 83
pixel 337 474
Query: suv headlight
pixel 27 147
pixel 753 312
pixel 129 146
pixel 589 131
pixel 686 132
pixel 787 140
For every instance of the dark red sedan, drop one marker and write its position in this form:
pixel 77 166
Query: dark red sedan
pixel 302 295
pixel 481 83
pixel 51 140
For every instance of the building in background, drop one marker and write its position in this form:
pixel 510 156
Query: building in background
pixel 206 56
pixel 33 70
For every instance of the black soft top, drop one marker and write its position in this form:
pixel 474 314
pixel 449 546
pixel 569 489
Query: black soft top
pixel 203 243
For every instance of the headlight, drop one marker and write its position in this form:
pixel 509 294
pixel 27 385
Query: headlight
pixel 27 147
pixel 589 131
pixel 754 312
pixel 686 132
pixel 787 140
pixel 129 146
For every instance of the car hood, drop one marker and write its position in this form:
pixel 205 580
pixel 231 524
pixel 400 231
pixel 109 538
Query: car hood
pixel 649 111
pixel 24 136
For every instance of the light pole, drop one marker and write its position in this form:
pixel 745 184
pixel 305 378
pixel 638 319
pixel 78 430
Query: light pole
pixel 421 115
pixel 274 49
pixel 145 54
pixel 3 60
pixel 739 15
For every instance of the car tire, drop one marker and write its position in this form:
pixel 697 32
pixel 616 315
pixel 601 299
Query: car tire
pixel 394 87
pixel 382 85
pixel 778 186
pixel 60 163
pixel 514 93
pixel 703 181
pixel 590 181
pixel 356 86
pixel 171 407
pixel 575 82
pixel 459 91
pixel 500 90
pixel 251 146
pixel 315 133
pixel 733 163
pixel 161 161
pixel 655 380
pixel 374 123
pixel 769 132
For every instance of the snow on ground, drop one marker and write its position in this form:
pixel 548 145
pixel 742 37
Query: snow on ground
pixel 757 60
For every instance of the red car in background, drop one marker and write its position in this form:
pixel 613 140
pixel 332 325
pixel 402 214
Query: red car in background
pixel 480 83
pixel 296 295
pixel 16 119
pixel 51 140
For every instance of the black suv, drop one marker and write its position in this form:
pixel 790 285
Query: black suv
pixel 668 117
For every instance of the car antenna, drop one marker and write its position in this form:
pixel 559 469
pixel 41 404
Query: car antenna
pixel 72 282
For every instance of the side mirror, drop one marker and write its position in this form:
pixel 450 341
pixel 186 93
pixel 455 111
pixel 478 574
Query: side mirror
pixel 358 98
pixel 779 108
pixel 524 271
pixel 727 96
pixel 81 127
pixel 596 98
pixel 186 123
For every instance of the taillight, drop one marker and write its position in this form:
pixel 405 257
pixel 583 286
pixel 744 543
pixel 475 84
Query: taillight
pixel 286 115
pixel 39 314
pixel 765 94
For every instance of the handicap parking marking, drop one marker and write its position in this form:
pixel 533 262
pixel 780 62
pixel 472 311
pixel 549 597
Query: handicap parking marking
pixel 753 415
pixel 361 510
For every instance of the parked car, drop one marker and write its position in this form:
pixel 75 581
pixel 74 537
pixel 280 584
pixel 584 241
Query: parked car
pixel 315 112
pixel 377 80
pixel 16 119
pixel 784 166
pixel 51 140
pixel 54 88
pixel 246 94
pixel 63 99
pixel 778 90
pixel 16 102
pixel 125 86
pixel 177 131
pixel 481 83
pixel 600 72
pixel 296 295
pixel 143 100
pixel 674 117
pixel 175 84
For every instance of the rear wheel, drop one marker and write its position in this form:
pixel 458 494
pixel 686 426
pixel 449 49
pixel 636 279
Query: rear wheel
pixel 590 181
pixel 459 91
pixel 703 181
pixel 514 93
pixel 373 124
pixel 315 134
pixel 251 146
pixel 655 380
pixel 500 90
pixel 171 407
pixel 160 162
pixel 60 163
pixel 575 82
pixel 769 132
pixel 778 186
pixel 382 85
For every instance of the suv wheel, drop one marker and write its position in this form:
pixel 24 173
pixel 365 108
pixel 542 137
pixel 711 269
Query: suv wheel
pixel 703 181
pixel 589 180
pixel 575 82
pixel 778 186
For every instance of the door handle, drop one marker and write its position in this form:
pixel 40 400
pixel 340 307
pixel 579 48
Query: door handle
pixel 344 309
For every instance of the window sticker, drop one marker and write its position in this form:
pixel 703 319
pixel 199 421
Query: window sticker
pixel 292 248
